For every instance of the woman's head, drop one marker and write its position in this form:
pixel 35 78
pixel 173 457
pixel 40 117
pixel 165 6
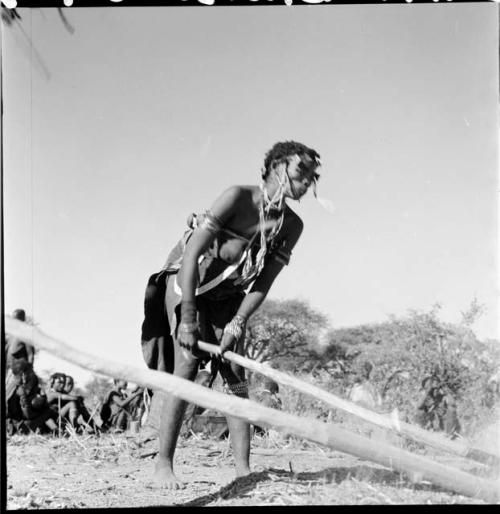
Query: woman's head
pixel 120 383
pixel 294 164
pixel 19 314
pixel 57 381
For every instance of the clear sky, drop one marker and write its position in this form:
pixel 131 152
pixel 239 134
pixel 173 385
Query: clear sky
pixel 114 133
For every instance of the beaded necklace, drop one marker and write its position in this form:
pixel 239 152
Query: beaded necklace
pixel 277 203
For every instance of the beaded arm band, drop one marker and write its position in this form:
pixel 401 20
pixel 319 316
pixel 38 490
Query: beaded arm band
pixel 188 311
pixel 282 256
pixel 211 223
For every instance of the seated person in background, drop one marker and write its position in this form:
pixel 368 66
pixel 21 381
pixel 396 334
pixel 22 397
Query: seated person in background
pixel 199 420
pixel 16 350
pixel 27 409
pixel 83 413
pixel 492 395
pixel 267 395
pixel 203 378
pixel 427 415
pixel 65 405
pixel 114 411
pixel 137 407
pixel 447 412
pixel 363 392
pixel 451 422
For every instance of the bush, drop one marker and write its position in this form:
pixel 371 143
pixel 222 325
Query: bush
pixel 404 350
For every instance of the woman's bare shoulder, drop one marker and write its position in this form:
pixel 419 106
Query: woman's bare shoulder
pixel 239 192
pixel 232 201
pixel 233 195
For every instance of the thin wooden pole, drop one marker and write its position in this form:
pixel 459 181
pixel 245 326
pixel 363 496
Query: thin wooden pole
pixel 59 414
pixel 460 448
pixel 323 433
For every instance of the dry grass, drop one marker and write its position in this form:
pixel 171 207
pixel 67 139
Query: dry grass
pixel 113 470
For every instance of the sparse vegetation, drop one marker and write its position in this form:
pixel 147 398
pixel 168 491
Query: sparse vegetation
pixel 404 350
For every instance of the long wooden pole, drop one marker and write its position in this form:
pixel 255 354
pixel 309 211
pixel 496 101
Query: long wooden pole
pixel 323 433
pixel 460 448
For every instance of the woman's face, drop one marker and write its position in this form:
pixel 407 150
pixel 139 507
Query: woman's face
pixel 69 385
pixel 301 174
pixel 59 384
pixel 121 384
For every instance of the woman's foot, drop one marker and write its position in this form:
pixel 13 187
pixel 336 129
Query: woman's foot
pixel 242 470
pixel 164 477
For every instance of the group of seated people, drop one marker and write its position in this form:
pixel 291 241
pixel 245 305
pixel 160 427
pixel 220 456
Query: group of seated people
pixel 31 409
pixel 70 408
pixel 27 409
pixel 120 408
pixel 26 405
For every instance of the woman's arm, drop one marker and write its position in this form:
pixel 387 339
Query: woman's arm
pixel 271 270
pixel 126 401
pixel 25 402
pixel 202 237
pixel 264 281
pixel 69 397
pixel 30 351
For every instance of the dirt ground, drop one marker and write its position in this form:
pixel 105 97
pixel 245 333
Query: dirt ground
pixel 114 470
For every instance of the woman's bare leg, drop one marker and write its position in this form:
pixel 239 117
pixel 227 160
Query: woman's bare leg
pixel 239 430
pixel 171 417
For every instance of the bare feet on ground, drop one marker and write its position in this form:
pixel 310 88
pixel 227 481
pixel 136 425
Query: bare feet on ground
pixel 164 477
pixel 242 471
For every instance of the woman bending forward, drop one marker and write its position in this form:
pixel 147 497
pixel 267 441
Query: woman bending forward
pixel 217 276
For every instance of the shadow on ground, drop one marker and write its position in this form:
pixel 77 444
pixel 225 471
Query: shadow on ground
pixel 373 475
pixel 234 489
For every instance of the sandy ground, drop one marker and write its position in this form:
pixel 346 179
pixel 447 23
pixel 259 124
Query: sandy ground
pixel 114 470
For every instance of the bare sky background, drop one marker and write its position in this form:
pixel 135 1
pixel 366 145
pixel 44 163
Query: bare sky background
pixel 149 113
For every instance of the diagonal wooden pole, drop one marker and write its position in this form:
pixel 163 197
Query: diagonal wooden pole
pixel 327 434
pixel 460 448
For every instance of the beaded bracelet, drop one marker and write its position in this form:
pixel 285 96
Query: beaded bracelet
pixel 188 310
pixel 188 328
pixel 236 327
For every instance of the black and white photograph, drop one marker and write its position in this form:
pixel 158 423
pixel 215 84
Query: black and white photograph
pixel 249 253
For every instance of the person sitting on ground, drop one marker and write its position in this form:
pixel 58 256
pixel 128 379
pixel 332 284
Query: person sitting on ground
pixel 363 392
pixel 137 407
pixel 84 418
pixel 199 420
pixel 267 394
pixel 16 350
pixel 203 378
pixel 214 279
pixel 427 415
pixel 114 413
pixel 27 409
pixel 492 394
pixel 65 405
pixel 451 423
